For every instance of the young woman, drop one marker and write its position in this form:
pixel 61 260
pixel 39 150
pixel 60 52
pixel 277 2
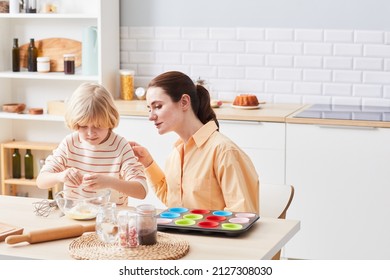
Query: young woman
pixel 93 156
pixel 205 169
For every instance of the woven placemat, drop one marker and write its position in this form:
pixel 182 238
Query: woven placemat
pixel 90 247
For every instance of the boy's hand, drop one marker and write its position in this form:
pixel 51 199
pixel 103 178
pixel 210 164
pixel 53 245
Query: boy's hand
pixel 96 181
pixel 71 177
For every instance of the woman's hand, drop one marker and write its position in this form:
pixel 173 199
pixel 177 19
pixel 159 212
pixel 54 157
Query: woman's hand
pixel 142 153
pixel 71 177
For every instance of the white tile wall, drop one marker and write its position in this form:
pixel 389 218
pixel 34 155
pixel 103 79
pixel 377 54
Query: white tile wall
pixel 278 65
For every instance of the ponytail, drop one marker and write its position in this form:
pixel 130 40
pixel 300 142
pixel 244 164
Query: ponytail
pixel 205 113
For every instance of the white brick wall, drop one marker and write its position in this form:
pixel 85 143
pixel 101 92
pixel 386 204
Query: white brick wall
pixel 278 65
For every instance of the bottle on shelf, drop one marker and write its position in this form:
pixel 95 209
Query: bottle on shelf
pixel 32 54
pixel 28 165
pixel 50 194
pixel 16 164
pixel 16 56
pixel 31 6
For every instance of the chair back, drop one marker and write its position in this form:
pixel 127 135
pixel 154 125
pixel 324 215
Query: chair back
pixel 275 200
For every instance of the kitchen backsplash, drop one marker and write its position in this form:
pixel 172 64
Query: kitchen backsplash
pixel 278 65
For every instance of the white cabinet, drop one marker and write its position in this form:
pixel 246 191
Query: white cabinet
pixel 143 131
pixel 264 142
pixel 342 191
pixel 36 89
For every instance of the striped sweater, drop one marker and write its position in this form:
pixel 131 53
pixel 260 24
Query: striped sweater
pixel 114 157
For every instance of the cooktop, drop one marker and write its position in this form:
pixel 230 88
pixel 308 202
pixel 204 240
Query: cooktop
pixel 346 112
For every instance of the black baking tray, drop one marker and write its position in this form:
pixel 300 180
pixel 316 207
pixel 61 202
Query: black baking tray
pixel 207 221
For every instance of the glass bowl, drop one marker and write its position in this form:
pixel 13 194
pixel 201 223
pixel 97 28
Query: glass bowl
pixel 81 208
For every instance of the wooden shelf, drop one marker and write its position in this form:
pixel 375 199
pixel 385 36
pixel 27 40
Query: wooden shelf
pixel 41 146
pixel 5 158
pixel 21 181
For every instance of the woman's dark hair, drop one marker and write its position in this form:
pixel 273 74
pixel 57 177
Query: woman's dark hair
pixel 175 84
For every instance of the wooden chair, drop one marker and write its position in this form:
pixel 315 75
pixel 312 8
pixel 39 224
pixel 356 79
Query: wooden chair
pixel 274 202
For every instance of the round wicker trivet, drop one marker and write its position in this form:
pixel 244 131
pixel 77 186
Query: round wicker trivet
pixel 90 247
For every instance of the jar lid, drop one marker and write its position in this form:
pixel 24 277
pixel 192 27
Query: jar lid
pixel 146 209
pixel 140 92
pixel 126 72
pixel 69 55
pixel 43 59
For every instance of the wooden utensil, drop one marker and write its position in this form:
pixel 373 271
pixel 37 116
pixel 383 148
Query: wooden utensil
pixel 14 107
pixel 54 48
pixel 44 235
pixel 6 230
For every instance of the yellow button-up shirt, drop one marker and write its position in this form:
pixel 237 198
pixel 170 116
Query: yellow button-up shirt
pixel 208 172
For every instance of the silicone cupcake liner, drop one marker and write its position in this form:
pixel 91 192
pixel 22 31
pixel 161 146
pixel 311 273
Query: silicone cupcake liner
pixel 206 221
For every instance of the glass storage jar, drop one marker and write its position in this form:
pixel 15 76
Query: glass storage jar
pixel 69 64
pixel 127 225
pixel 43 64
pixel 146 224
pixel 106 223
pixel 30 6
pixel 127 84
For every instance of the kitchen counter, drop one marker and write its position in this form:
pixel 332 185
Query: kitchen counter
pixel 266 113
pixel 263 240
pixel 283 113
pixel 269 112
pixel 336 122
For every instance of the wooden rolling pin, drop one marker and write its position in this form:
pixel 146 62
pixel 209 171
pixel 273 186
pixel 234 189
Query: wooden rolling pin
pixel 50 234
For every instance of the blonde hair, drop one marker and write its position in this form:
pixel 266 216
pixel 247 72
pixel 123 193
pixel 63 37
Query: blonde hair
pixel 92 104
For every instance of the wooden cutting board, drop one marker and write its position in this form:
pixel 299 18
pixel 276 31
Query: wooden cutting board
pixel 55 48
pixel 6 230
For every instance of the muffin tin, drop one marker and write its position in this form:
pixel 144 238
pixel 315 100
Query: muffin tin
pixel 208 221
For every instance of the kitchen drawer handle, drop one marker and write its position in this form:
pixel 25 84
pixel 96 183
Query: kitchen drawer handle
pixel 349 127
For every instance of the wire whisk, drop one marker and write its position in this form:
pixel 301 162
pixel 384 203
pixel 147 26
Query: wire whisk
pixel 44 207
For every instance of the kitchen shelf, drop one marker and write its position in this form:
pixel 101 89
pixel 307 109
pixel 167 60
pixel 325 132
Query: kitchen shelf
pixel 77 16
pixel 6 155
pixel 47 76
pixel 29 117
pixel 43 146
pixel 48 16
pixel 21 181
